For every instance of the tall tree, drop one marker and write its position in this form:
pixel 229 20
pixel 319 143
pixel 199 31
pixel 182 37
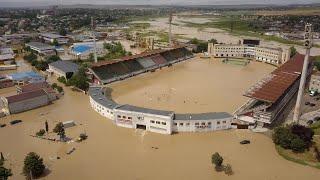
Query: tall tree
pixel 216 159
pixel 33 165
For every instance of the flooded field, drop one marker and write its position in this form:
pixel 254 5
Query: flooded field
pixel 111 152
pixel 197 85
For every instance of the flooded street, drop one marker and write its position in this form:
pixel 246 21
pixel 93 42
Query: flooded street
pixel 195 86
pixel 116 153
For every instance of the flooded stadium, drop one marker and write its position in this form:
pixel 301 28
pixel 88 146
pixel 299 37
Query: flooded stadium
pixel 195 86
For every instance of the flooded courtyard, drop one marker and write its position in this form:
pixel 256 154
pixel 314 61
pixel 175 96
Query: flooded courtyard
pixel 112 152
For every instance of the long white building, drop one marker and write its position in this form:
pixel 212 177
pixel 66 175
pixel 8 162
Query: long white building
pixel 269 55
pixel 158 121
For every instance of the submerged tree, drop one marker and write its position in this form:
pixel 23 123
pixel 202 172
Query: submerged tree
pixel 59 129
pixel 33 166
pixel 217 160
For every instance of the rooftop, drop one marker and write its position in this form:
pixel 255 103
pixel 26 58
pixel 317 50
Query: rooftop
pixel 52 35
pixel 203 116
pixel 131 108
pixel 271 88
pixel 81 48
pixel 4 57
pixel 6 51
pixel 34 86
pixel 39 45
pixel 25 96
pixel 65 66
pixel 24 75
pixel 97 94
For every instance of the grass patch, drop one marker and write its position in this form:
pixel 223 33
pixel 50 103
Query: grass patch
pixel 316 128
pixel 307 158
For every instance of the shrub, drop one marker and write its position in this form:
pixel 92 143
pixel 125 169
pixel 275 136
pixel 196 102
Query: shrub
pixel 5 173
pixel 228 170
pixel 216 159
pixel 298 145
pixel 62 80
pixel 54 85
pixel 59 89
pixel 41 132
pixel 283 137
pixel 59 129
pixel 33 165
pixel 304 133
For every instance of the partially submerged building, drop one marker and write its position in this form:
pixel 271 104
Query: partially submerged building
pixel 25 101
pixel 63 68
pixel 158 121
pixel 41 48
pixel 23 78
pixel 272 97
pixel 83 50
pixel 250 50
pixel 51 38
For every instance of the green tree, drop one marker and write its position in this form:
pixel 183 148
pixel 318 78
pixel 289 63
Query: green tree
pixel 91 57
pixel 59 89
pixel 298 145
pixel 282 136
pixel 59 129
pixel 41 132
pixel 79 79
pixel 53 58
pixel 62 31
pixel 214 41
pixel 62 79
pixel 33 165
pixel 293 51
pixel 216 159
pixel 5 173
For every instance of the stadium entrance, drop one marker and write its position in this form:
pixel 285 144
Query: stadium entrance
pixel 141 126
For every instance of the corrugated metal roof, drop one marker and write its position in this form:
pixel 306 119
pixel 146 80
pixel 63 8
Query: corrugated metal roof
pixel 25 96
pixel 271 88
pixel 131 108
pixel 203 116
pixel 65 66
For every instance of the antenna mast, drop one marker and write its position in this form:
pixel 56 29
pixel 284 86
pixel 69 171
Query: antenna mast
pixel 94 39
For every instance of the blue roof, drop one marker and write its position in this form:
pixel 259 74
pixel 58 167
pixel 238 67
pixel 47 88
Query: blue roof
pixel 24 75
pixel 81 48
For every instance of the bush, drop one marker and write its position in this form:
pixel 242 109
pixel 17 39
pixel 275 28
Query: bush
pixel 216 159
pixel 59 129
pixel 295 137
pixel 5 173
pixel 54 85
pixel 41 132
pixel 228 170
pixel 298 145
pixel 33 165
pixel 59 89
pixel 62 80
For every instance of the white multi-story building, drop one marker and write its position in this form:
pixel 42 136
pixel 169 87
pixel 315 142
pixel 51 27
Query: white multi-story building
pixel 158 121
pixel 269 55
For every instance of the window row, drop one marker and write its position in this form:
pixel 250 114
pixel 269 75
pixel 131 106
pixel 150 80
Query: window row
pixel 158 122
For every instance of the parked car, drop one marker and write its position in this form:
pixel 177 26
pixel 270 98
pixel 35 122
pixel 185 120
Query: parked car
pixel 2 125
pixel 312 104
pixel 316 118
pixel 15 122
pixel 307 103
pixel 245 142
pixel 309 122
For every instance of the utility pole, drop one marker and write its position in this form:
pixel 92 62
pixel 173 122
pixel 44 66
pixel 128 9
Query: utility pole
pixel 93 24
pixel 308 46
pixel 170 32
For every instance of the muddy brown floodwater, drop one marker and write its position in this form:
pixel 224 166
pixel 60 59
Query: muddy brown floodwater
pixel 197 85
pixel 116 153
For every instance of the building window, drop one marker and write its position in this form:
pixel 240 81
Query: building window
pixel 197 124
pixel 181 124
pixel 209 123
pixel 158 122
pixel 187 124
pixel 124 117
pixel 152 121
pixel 203 123
pixel 163 123
pixel 130 118
pixel 119 116
pixel 175 124
pixel 224 122
pixel 218 122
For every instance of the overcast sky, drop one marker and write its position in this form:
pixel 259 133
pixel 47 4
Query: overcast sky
pixel 178 2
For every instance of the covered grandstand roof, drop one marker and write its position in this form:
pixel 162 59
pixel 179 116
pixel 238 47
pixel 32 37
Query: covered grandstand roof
pixel 271 88
pixel 141 55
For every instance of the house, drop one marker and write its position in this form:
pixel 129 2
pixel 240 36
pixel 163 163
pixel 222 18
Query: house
pixel 51 38
pixel 6 56
pixel 41 48
pixel 26 77
pixel 25 101
pixel 63 68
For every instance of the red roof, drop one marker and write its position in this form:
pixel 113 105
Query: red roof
pixel 34 86
pixel 271 88
pixel 25 96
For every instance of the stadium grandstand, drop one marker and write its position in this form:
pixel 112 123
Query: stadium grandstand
pixel 105 72
pixel 272 98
